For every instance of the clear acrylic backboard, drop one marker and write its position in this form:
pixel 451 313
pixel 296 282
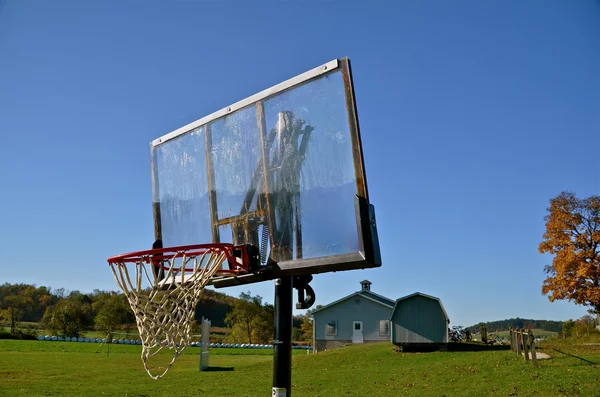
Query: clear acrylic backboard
pixel 281 171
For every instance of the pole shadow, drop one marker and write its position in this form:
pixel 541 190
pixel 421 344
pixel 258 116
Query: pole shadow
pixel 571 355
pixel 219 369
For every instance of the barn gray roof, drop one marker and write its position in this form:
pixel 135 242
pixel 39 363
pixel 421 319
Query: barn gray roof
pixel 365 294
pixel 423 295
pixel 379 298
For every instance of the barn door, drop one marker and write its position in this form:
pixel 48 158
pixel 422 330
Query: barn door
pixel 357 332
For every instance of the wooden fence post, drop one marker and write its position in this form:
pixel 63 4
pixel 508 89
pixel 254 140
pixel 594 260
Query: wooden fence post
pixel 525 345
pixel 532 345
pixel 513 340
pixel 519 337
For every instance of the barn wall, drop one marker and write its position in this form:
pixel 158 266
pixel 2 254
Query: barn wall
pixel 356 308
pixel 419 319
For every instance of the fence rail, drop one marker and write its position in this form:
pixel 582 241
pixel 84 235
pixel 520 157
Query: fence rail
pixel 523 342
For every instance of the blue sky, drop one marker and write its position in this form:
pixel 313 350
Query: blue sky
pixel 473 115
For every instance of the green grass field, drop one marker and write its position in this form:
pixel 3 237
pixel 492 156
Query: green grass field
pixel 33 368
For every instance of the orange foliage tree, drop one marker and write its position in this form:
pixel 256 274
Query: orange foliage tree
pixel 573 237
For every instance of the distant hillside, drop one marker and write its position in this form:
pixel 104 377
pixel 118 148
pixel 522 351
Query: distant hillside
pixel 503 325
pixel 214 306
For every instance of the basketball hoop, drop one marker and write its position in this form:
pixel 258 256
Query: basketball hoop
pixel 163 287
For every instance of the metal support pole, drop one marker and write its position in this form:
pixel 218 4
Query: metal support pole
pixel 282 343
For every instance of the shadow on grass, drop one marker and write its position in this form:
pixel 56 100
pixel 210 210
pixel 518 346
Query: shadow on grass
pixel 571 355
pixel 454 347
pixel 475 347
pixel 219 369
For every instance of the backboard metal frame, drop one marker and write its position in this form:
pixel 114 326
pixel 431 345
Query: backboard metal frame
pixel 290 83
pixel 368 255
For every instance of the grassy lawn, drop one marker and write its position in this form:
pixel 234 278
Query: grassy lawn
pixel 33 368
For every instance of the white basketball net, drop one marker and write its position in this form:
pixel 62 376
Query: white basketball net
pixel 164 307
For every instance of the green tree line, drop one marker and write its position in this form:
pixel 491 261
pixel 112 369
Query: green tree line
pixel 69 314
pixel 248 318
pixel 503 325
pixel 586 325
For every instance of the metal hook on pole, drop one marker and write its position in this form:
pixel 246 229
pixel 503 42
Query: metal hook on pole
pixel 306 295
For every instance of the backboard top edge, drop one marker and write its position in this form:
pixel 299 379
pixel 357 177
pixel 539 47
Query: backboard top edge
pixel 294 81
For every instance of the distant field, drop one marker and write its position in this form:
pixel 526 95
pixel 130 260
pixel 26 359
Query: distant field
pixel 218 334
pixel 537 332
pixel 33 368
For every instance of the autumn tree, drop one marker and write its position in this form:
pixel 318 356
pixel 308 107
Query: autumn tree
pixel 69 316
pixel 26 302
pixel 112 311
pixel 573 237
pixel 306 328
pixel 4 316
pixel 567 328
pixel 17 305
pixel 581 327
pixel 249 320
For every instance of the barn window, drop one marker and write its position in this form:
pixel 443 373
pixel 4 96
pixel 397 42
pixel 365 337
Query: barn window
pixel 384 327
pixel 332 328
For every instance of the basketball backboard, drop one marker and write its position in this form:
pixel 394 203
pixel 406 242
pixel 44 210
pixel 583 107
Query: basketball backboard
pixel 281 171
